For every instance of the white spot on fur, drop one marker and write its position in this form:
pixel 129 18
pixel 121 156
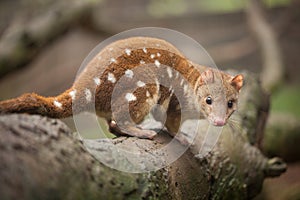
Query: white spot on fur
pixel 99 57
pixel 57 104
pixel 169 70
pixel 73 94
pixel 88 94
pixel 140 84
pixel 152 56
pixel 181 82
pixel 185 87
pixel 157 45
pixel 172 92
pixel 110 49
pixel 129 73
pixel 97 81
pixel 148 100
pixel 128 52
pixel 142 62
pixel 112 60
pixel 158 54
pixel 111 77
pixel 130 97
pixel 157 63
pixel 144 50
pixel 157 85
pixel 147 94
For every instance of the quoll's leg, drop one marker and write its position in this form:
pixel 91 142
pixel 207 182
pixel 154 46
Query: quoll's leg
pixel 173 127
pixel 173 116
pixel 137 132
pixel 131 130
pixel 173 123
pixel 132 113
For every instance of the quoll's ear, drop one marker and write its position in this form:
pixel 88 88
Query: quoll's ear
pixel 237 82
pixel 207 76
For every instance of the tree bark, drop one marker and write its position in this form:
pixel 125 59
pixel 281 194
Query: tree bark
pixel 42 159
pixel 282 137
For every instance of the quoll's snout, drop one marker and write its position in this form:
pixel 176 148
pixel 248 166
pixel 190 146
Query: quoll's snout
pixel 219 122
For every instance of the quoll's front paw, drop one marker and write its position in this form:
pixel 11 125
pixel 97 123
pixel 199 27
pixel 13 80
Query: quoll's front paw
pixel 140 133
pixel 131 131
pixel 180 137
pixel 147 134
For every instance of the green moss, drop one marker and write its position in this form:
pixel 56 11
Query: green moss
pixel 286 100
pixel 221 6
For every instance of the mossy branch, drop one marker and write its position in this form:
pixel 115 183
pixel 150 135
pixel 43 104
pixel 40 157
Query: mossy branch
pixel 42 159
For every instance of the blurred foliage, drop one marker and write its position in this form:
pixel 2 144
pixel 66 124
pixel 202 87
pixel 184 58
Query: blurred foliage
pixel 286 99
pixel 275 3
pixel 234 5
pixel 221 6
pixel 159 8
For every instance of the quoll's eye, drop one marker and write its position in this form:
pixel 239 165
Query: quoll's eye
pixel 208 100
pixel 230 104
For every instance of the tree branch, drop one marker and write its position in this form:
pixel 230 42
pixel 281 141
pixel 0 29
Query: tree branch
pixel 41 159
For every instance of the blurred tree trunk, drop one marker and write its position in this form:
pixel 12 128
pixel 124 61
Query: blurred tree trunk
pixel 28 32
pixel 273 67
pixel 41 159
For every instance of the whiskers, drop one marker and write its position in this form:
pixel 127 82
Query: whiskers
pixel 235 124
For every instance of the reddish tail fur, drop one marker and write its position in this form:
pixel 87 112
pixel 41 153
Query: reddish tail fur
pixel 56 107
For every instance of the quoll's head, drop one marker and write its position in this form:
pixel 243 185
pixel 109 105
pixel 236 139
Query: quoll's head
pixel 218 95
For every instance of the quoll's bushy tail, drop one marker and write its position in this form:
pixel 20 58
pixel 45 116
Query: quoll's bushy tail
pixel 55 107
